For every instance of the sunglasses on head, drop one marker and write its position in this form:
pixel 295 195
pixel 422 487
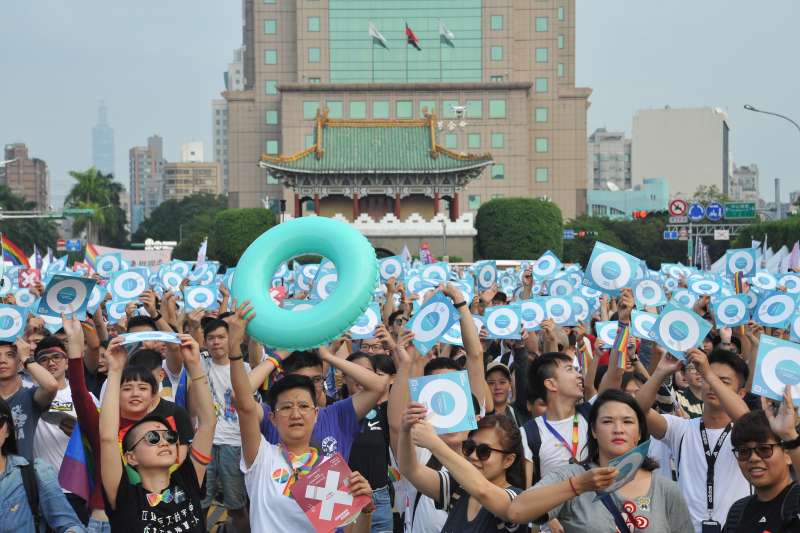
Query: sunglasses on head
pixel 154 436
pixel 765 451
pixel 482 451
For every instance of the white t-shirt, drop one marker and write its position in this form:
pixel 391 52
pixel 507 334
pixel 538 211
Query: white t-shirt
pixel 729 483
pixel 661 453
pixel 219 378
pixel 553 454
pixel 427 518
pixel 49 442
pixel 265 480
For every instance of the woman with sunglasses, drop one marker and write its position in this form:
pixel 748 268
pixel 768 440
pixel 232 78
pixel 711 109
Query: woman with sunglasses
pixel 474 487
pixel 168 493
pixel 649 502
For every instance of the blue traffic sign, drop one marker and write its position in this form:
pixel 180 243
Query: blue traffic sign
pixel 696 212
pixel 569 234
pixel 73 245
pixel 670 235
pixel 715 212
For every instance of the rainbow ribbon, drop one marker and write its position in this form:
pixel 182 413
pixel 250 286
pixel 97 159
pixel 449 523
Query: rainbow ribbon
pixel 738 282
pixel 585 358
pixel 621 345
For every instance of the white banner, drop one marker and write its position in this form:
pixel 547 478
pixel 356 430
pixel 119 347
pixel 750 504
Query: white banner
pixel 722 235
pixel 151 259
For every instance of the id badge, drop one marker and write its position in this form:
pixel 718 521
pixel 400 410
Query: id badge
pixel 710 526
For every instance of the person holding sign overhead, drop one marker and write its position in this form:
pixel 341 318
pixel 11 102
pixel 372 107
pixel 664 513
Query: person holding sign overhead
pixel 571 492
pixel 271 470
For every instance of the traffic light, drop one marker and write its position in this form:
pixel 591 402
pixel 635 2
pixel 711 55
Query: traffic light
pixel 638 215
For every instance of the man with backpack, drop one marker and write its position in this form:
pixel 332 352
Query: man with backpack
pixel 765 442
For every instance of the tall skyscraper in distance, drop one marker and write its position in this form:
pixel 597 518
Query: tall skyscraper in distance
pixel 233 79
pixel 103 142
pixel 506 70
pixel 146 164
pixel 26 176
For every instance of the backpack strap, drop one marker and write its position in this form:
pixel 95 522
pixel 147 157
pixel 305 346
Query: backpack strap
pixel 32 492
pixel 583 410
pixel 736 513
pixel 534 438
pixel 790 509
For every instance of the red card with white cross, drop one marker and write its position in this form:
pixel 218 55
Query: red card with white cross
pixel 29 277
pixel 324 496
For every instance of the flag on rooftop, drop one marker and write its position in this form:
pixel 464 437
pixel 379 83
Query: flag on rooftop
pixel 377 37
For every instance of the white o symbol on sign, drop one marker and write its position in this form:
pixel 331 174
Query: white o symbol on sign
pixel 126 294
pixel 16 321
pixel 681 317
pixel 620 280
pixel 444 386
pixel 73 302
pixel 440 313
pixel 499 314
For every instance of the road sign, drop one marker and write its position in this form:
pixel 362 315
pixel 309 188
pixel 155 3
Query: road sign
pixel 73 245
pixel 722 235
pixel 670 235
pixel 679 220
pixel 61 245
pixel 734 210
pixel 72 211
pixel 697 212
pixel 683 234
pixel 569 234
pixel 715 212
pixel 678 207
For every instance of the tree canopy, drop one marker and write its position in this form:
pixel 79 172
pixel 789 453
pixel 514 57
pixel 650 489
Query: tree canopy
pixel 518 228
pixel 233 231
pixel 28 231
pixel 98 191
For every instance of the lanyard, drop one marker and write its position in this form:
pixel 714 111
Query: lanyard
pixel 573 450
pixel 711 460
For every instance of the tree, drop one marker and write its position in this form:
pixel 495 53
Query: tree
pixel 28 231
pixel 777 232
pixel 706 194
pixel 178 220
pixel 98 191
pixel 233 231
pixel 518 228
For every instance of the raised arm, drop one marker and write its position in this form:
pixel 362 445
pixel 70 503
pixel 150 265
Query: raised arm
pixel 472 345
pixel 48 386
pixel 732 403
pixel 646 396
pixel 201 404
pixel 110 458
pixel 374 385
pixel 425 479
pixel 399 394
pixel 246 406
pixel 784 423
pixel 388 306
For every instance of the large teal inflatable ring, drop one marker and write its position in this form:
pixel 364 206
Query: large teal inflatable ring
pixel 356 267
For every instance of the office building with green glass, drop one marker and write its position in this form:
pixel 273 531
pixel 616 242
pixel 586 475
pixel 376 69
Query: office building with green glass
pixel 498 78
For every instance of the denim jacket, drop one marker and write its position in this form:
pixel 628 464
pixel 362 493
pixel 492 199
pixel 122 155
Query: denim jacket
pixel 14 509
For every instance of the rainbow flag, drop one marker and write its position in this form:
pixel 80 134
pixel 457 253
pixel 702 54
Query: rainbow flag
pixel 584 356
pixel 90 256
pixel 738 282
pixel 13 253
pixel 76 472
pixel 621 345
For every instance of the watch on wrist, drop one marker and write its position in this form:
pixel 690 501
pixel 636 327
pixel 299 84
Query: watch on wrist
pixel 28 361
pixel 791 444
pixel 460 304
pixel 157 317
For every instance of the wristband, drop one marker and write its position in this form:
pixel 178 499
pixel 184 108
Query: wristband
pixel 203 459
pixel 791 444
pixel 275 361
pixel 157 317
pixel 198 378
pixel 572 486
pixel 28 361
pixel 460 304
pixel 235 357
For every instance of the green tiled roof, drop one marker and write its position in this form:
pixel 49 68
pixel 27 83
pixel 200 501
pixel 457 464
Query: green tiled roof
pixel 376 146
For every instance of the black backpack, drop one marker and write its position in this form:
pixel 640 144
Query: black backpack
pixel 790 511
pixel 28 474
pixel 534 437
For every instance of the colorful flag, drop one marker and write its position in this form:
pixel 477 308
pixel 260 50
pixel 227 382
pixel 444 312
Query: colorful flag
pixel 377 37
pixel 411 38
pixel 585 355
pixel 446 36
pixel 75 474
pixel 621 345
pixel 13 253
pixel 90 256
pixel 738 282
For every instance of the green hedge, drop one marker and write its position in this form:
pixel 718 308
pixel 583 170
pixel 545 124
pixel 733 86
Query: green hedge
pixel 778 233
pixel 234 230
pixel 518 228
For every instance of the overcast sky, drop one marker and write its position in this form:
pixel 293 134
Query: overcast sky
pixel 157 65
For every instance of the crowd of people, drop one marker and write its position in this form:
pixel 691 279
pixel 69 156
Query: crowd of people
pixel 173 433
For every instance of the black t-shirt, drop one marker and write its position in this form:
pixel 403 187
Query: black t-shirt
pixel 761 517
pixel 370 452
pixel 455 500
pixel 177 511
pixel 171 411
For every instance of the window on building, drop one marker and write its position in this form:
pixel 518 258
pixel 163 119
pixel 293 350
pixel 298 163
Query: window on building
pixel 271 87
pixel 561 40
pixel 309 206
pixel 542 24
pixel 498 140
pixel 498 195
pixel 474 108
pixel 474 201
pixel 451 141
pixel 542 114
pixel 270 27
pixel 542 85
pixel 310 109
pixel 404 109
pixel 313 24
pixel 380 109
pixel 542 174
pixel 497 78
pixel 334 109
pixel 498 171
pixel 309 140
pixel 358 109
pixel 271 117
pixel 313 55
pixel 542 145
pixel 270 1
pixel 429 105
pixel 314 80
pixel 497 22
pixel 474 141
pixel 562 13
pixel 497 109
pixel 272 147
pixel 542 55
pixel 560 70
pixel 447 108
pixel 270 57
pixel 496 53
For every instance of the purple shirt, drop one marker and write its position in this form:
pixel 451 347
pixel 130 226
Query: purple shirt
pixel 336 428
